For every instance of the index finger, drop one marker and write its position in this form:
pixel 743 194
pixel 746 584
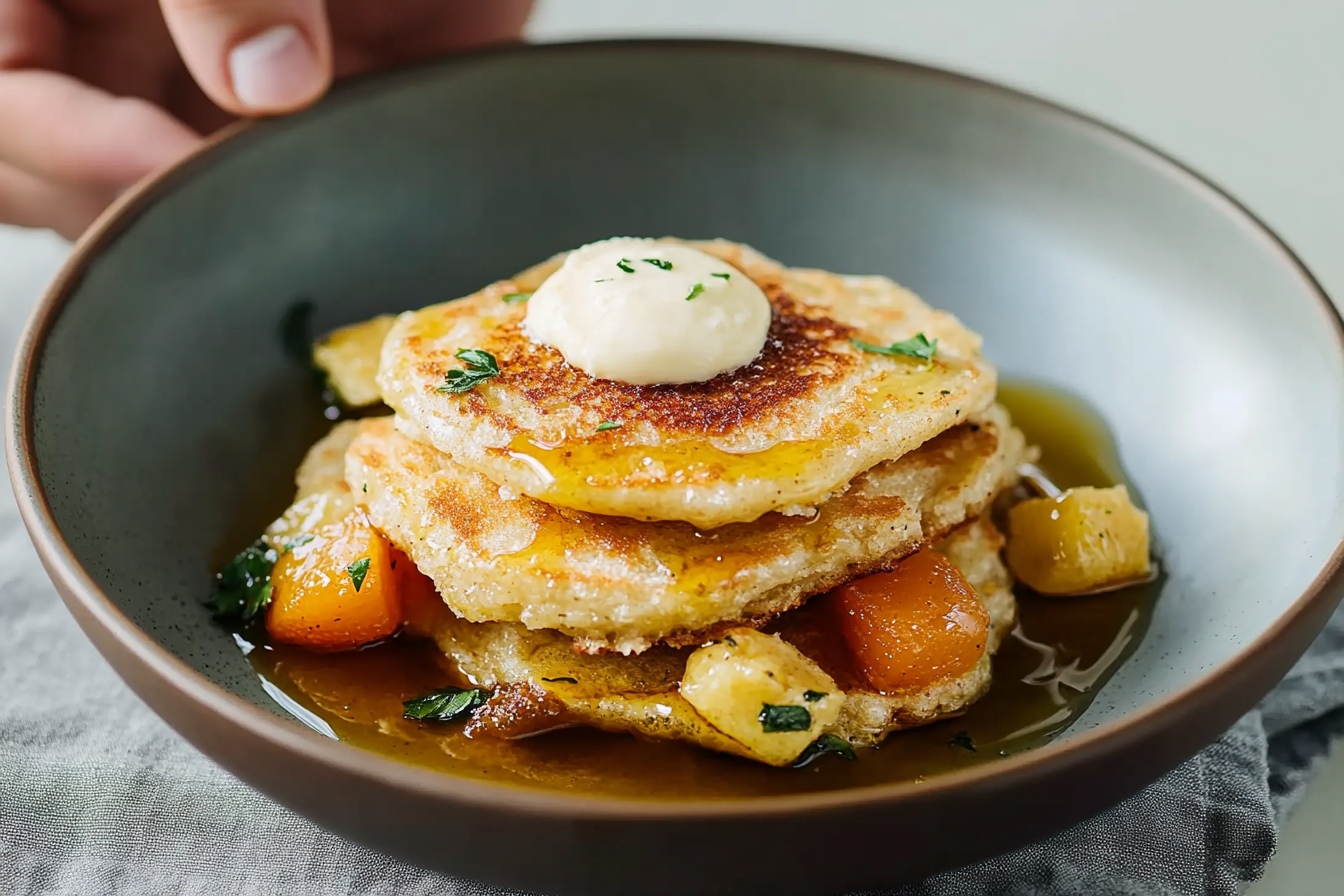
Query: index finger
pixel 65 130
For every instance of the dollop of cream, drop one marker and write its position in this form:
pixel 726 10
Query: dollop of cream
pixel 643 311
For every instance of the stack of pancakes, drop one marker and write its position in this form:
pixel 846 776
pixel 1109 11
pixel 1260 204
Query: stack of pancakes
pixel 585 536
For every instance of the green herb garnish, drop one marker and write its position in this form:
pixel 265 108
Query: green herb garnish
pixel 478 366
pixel 721 276
pixel 624 264
pixel 358 570
pixel 775 719
pixel 695 291
pixel 917 346
pixel 512 297
pixel 446 704
pixel 563 678
pixel 729 641
pixel 243 586
pixel 659 263
pixel 297 543
pixel 945 392
pixel 827 743
pixel 813 696
pixel 607 424
pixel 963 740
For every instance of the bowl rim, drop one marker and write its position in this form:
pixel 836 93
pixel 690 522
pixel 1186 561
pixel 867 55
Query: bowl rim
pixel 1220 685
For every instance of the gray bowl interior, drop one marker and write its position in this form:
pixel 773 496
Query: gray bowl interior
pixel 1084 261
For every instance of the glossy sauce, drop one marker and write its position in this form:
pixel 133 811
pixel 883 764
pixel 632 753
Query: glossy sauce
pixel 1045 675
pixel 565 472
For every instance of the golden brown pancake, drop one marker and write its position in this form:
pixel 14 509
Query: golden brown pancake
pixel 541 683
pixel 611 583
pixel 785 432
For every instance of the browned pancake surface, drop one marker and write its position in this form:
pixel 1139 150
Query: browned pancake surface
pixel 786 431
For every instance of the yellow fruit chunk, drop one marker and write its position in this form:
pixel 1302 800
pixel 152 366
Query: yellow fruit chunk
pixel 1087 538
pixel 349 357
pixel 306 515
pixel 337 590
pixel 763 693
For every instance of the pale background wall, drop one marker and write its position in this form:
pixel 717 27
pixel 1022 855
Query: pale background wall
pixel 1250 92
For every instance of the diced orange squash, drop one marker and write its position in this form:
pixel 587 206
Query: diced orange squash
pixel 916 625
pixel 421 605
pixel 336 591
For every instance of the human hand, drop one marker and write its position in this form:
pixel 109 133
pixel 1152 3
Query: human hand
pixel 95 94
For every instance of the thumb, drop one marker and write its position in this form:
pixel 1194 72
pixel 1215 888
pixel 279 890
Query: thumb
pixel 254 57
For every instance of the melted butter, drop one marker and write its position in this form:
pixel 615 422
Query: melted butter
pixel 694 562
pixel 573 472
pixel 1045 675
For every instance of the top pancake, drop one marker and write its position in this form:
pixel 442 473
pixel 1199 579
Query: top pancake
pixel 784 432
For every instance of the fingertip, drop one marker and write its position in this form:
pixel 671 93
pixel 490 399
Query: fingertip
pixel 276 71
pixel 254 57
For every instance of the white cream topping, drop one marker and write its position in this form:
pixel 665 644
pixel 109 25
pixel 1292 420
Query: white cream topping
pixel 643 311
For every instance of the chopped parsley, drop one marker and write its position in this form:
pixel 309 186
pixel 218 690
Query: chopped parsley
pixel 243 587
pixel 963 740
pixel 358 571
pixel 945 392
pixel 813 696
pixel 624 264
pixel 297 543
pixel 775 719
pixel 917 346
pixel 446 704
pixel 659 263
pixel 608 424
pixel 478 366
pixel 827 743
pixel 721 276
pixel 695 291
pixel 563 678
pixel 512 297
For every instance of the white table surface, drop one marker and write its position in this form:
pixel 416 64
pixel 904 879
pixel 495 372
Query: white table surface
pixel 1250 92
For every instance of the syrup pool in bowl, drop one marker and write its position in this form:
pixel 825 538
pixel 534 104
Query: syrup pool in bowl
pixel 1046 674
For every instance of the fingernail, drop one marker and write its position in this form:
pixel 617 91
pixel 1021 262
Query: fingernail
pixel 275 71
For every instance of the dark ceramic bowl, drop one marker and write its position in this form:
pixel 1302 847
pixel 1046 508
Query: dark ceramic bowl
pixel 149 389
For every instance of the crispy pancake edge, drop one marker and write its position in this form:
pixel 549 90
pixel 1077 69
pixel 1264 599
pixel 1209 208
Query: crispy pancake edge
pixel 811 388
